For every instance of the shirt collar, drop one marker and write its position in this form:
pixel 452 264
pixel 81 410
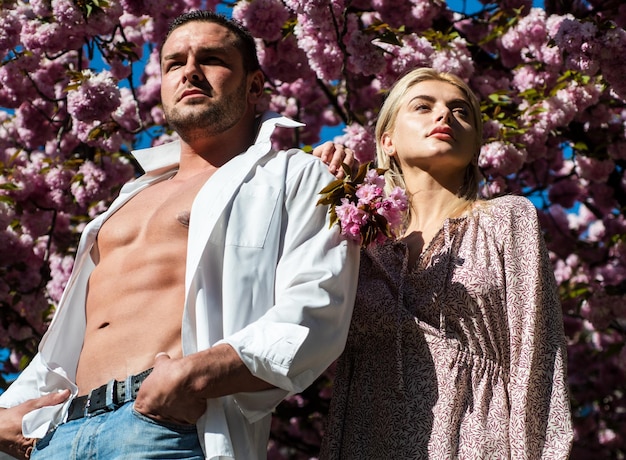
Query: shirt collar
pixel 167 156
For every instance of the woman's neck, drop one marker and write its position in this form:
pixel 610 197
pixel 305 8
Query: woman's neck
pixel 428 214
pixel 430 208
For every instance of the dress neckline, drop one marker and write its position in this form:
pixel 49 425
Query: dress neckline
pixel 443 232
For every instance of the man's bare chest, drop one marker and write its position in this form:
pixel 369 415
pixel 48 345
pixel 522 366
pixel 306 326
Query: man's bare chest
pixel 158 214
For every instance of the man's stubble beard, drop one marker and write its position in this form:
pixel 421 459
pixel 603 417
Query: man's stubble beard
pixel 215 119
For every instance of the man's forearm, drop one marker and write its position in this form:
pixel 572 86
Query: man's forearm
pixel 219 371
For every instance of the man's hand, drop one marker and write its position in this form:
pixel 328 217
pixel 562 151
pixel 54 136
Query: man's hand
pixel 167 394
pixel 11 440
pixel 333 155
pixel 177 389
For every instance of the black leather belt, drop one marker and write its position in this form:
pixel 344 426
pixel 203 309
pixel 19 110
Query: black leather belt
pixel 106 398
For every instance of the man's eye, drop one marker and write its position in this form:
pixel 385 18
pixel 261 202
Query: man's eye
pixel 213 61
pixel 172 66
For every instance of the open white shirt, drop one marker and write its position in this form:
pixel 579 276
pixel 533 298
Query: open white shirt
pixel 265 274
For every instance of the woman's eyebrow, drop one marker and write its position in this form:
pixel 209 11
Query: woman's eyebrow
pixel 428 98
pixel 460 102
pixel 425 97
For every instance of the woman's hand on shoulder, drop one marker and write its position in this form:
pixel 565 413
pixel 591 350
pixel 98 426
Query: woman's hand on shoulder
pixel 333 155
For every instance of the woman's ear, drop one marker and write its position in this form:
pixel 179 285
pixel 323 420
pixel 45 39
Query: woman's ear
pixel 387 143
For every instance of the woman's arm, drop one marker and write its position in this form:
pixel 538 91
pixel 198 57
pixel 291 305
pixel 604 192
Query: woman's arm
pixel 540 425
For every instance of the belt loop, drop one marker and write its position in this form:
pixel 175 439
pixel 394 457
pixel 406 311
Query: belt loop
pixel 86 408
pixel 128 389
pixel 110 402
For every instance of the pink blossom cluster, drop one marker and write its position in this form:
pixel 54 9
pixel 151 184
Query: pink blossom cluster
pixel 95 98
pixel 501 158
pixel 318 30
pixel 79 89
pixel 590 49
pixel 360 214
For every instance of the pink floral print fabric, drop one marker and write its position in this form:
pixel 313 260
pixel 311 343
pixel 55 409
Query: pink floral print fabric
pixel 460 356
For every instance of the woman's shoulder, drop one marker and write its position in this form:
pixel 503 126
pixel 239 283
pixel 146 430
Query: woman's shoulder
pixel 506 215
pixel 506 207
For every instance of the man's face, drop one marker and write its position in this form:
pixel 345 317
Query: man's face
pixel 204 87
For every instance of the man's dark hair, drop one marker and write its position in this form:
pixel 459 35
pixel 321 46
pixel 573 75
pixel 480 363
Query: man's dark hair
pixel 244 41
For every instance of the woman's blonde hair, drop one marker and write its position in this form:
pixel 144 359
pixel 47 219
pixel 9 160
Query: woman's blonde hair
pixel 387 120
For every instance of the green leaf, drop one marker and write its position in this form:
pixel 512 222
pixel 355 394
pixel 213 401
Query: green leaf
pixel 360 175
pixel 7 199
pixel 9 186
pixel 581 146
pixel 389 38
pixel 332 186
pixel 346 169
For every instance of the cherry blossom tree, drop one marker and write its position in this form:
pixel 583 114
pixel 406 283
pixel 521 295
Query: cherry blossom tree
pixel 79 90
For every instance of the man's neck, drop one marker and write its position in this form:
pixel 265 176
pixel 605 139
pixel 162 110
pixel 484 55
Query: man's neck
pixel 212 152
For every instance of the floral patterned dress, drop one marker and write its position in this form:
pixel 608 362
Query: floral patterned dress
pixel 460 356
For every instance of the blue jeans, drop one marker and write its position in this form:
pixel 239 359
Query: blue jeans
pixel 121 434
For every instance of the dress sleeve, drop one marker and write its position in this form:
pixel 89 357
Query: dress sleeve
pixel 540 425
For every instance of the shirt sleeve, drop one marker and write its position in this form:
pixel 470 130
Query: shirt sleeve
pixel 315 286
pixel 540 425
pixel 33 382
pixel 25 387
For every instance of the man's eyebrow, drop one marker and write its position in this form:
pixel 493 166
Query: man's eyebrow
pixel 206 50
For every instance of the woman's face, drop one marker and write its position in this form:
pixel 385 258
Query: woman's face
pixel 434 129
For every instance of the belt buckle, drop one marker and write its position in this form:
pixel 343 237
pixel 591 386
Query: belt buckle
pixel 100 399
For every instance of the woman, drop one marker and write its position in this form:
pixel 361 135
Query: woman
pixel 456 347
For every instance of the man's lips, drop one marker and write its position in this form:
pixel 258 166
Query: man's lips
pixel 192 93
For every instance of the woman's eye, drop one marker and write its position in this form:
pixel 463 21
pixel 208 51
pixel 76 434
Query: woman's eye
pixel 462 111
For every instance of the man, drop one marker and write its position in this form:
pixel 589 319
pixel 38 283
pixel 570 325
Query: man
pixel 230 243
